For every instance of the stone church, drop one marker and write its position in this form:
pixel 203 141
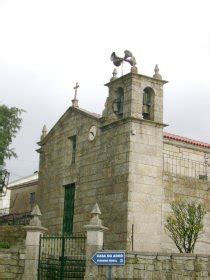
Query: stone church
pixel 124 161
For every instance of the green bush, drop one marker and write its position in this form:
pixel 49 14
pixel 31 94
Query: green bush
pixel 4 245
pixel 185 224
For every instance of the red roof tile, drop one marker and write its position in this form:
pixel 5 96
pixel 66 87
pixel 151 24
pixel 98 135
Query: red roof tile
pixel 185 140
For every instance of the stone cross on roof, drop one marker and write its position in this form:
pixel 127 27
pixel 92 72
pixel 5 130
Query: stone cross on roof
pixel 44 132
pixel 75 100
pixel 76 87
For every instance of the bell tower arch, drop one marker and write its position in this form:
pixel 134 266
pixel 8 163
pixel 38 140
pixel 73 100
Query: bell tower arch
pixel 148 104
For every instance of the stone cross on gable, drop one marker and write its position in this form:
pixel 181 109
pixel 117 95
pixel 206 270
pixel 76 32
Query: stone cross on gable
pixel 75 88
pixel 75 100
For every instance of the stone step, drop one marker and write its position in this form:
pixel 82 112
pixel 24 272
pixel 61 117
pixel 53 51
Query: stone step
pixel 66 275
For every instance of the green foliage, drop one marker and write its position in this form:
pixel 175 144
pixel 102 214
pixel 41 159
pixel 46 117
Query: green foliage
pixel 10 123
pixel 185 224
pixel 4 245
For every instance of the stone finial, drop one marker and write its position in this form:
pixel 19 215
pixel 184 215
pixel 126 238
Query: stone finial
pixel 44 132
pixel 95 213
pixel 96 210
pixel 36 213
pixel 157 75
pixel 134 69
pixel 75 100
pixel 114 75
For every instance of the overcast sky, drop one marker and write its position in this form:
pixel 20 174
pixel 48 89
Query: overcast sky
pixel 47 46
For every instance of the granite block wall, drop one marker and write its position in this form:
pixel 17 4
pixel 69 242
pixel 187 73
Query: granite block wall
pixel 176 187
pixel 12 264
pixel 100 174
pixel 156 266
pixel 13 235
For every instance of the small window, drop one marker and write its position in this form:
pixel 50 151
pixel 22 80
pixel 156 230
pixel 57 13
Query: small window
pixel 32 198
pixel 73 147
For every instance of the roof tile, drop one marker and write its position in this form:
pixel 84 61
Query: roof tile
pixel 185 140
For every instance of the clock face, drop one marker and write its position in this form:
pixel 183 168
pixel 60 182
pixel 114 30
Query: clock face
pixel 92 133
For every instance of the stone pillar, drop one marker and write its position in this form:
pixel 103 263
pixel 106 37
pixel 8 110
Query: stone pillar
pixel 95 233
pixel 34 230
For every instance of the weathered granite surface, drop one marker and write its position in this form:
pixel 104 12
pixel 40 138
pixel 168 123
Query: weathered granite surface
pixel 12 263
pixel 153 266
pixel 13 235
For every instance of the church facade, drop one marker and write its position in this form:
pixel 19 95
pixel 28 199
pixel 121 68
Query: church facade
pixel 124 161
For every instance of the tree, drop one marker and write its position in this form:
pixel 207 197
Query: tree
pixel 185 224
pixel 10 123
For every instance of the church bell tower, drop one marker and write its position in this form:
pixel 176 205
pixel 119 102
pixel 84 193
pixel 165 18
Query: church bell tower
pixel 135 101
pixel 135 95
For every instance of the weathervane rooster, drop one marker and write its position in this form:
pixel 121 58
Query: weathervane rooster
pixel 119 61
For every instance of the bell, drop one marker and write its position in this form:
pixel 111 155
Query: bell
pixel 115 106
pixel 145 109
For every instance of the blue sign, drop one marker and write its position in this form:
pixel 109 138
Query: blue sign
pixel 109 258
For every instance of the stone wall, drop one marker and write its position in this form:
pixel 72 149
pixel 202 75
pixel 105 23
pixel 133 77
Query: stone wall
pixel 185 159
pixel 12 260
pixel 145 195
pixel 13 235
pixel 153 266
pixel 184 150
pixel 12 264
pixel 56 170
pixel 191 189
pixel 100 174
pixel 183 164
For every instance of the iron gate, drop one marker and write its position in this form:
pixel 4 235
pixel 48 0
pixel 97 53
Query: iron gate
pixel 62 257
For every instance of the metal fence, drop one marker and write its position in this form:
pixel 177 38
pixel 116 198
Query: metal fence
pixel 15 218
pixel 62 257
pixel 185 167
